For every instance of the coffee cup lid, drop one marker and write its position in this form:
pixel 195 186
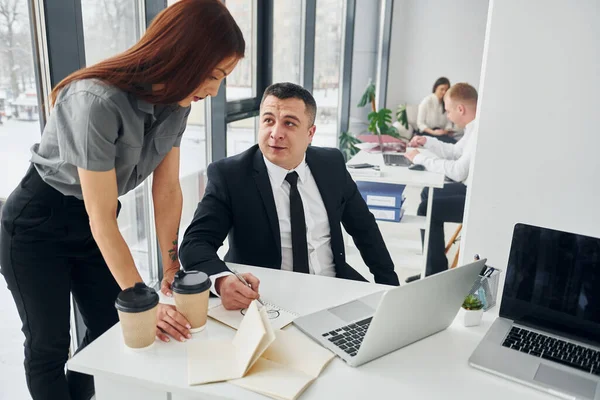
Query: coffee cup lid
pixel 190 282
pixel 138 298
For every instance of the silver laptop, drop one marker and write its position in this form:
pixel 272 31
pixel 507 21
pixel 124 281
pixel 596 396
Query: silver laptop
pixel 394 160
pixel 372 326
pixel 548 332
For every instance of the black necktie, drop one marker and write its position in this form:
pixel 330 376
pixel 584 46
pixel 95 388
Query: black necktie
pixel 299 246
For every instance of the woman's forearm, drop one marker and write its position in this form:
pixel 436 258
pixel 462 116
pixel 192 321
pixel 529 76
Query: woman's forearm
pixel 167 213
pixel 115 252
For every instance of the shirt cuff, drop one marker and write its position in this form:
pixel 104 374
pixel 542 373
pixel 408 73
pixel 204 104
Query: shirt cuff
pixel 213 279
pixel 419 159
pixel 428 143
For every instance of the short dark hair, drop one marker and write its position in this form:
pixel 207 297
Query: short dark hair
pixel 287 90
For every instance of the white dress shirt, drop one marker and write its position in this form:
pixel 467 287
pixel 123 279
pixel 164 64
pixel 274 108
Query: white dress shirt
pixel 452 160
pixel 318 235
pixel 431 114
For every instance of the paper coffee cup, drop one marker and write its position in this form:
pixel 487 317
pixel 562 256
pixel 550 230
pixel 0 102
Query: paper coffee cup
pixel 136 307
pixel 191 291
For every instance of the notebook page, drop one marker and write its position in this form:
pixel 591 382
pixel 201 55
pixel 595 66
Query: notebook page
pixel 297 351
pixel 274 380
pixel 249 339
pixel 211 361
pixel 267 339
pixel 278 316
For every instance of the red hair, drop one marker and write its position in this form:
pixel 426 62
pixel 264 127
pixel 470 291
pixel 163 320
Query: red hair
pixel 180 49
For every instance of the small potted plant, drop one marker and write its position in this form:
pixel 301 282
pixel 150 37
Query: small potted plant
pixel 473 310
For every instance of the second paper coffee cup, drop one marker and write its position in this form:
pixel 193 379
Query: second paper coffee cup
pixel 191 290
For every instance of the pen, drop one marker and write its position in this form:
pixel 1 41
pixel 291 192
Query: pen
pixel 241 278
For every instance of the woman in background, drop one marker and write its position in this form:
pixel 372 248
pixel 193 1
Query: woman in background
pixel 111 125
pixel 431 117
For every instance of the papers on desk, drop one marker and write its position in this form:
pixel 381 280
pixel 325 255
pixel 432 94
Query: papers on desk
pixel 279 364
pixel 277 316
pixel 364 172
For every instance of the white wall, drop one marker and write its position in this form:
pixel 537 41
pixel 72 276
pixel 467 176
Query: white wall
pixel 538 151
pixel 433 38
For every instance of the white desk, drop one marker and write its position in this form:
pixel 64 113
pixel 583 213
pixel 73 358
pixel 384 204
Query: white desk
pixel 433 368
pixel 402 176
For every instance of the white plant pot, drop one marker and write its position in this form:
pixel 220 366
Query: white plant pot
pixel 472 317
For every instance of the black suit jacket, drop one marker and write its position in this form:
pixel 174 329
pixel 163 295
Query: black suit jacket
pixel 239 201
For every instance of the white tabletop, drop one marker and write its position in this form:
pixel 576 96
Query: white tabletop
pixel 433 368
pixel 389 174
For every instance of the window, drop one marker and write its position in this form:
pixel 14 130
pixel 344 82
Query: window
pixel 328 54
pixel 19 130
pixel 241 83
pixel 193 163
pixel 241 135
pixel 192 170
pixel 287 39
pixel 110 27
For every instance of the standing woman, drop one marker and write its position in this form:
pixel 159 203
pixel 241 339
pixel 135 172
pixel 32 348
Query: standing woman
pixel 111 126
pixel 431 117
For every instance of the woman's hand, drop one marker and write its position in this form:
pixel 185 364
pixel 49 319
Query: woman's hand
pixel 440 132
pixel 167 281
pixel 170 321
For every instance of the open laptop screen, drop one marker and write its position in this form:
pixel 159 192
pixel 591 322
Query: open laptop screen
pixel 553 282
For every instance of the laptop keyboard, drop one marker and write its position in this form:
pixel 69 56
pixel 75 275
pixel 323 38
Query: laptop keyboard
pixel 549 348
pixel 397 160
pixel 349 337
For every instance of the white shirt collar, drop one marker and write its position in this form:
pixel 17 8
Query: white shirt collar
pixel 470 126
pixel 277 174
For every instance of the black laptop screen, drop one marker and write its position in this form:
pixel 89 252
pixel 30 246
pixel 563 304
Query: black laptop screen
pixel 553 282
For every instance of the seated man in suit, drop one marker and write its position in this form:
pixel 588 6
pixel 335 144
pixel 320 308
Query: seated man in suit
pixel 281 203
pixel 453 161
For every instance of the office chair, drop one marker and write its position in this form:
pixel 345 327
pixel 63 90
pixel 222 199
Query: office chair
pixel 455 238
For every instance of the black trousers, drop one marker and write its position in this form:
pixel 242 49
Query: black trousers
pixel 448 206
pixel 443 138
pixel 47 252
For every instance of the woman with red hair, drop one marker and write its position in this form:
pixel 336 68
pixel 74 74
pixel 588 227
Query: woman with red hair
pixel 111 125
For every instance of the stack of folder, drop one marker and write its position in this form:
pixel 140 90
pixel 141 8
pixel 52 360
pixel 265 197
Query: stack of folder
pixel 383 199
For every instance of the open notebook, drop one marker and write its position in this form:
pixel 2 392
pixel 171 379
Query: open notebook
pixel 277 316
pixel 278 364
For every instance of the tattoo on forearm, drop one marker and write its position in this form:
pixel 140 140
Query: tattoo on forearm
pixel 173 250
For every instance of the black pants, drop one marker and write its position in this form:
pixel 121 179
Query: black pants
pixel 448 206
pixel 442 138
pixel 47 252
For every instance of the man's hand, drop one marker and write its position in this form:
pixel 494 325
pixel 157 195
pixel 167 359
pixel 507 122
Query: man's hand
pixel 167 281
pixel 170 321
pixel 418 141
pixel 234 294
pixel 440 132
pixel 412 154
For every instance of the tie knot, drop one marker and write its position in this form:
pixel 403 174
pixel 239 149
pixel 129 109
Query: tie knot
pixel 292 178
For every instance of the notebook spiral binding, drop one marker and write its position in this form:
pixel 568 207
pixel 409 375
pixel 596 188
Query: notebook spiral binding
pixel 272 306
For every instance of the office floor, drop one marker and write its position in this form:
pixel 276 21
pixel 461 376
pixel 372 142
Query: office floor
pixel 404 246
pixel 403 242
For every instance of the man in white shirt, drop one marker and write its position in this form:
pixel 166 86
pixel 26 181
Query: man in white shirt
pixel 453 161
pixel 281 203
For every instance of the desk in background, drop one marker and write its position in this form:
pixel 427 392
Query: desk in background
pixel 401 176
pixel 433 368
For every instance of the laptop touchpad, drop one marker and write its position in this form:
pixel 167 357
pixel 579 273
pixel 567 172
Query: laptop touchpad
pixel 565 381
pixel 352 311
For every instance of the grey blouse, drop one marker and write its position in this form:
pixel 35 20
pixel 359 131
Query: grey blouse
pixel 98 127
